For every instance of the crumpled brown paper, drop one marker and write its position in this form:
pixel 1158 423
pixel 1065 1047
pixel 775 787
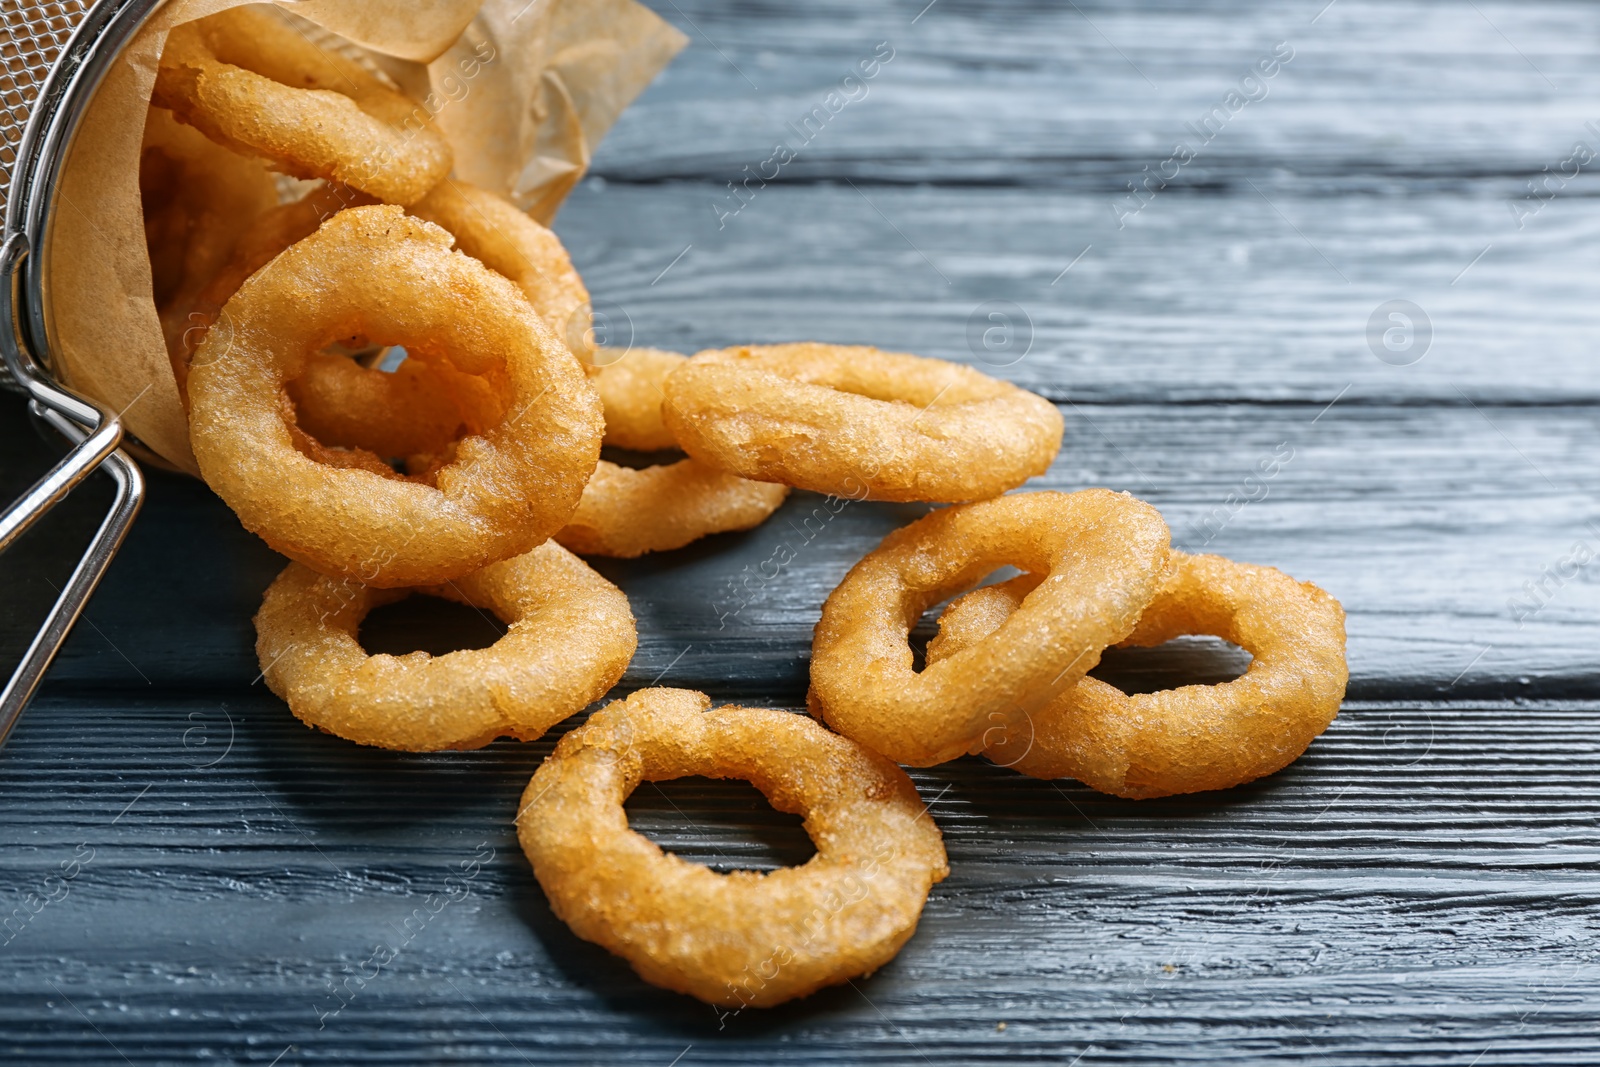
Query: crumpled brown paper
pixel 524 91
pixel 530 133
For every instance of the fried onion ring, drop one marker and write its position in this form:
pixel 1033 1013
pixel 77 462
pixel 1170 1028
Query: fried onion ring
pixel 486 227
pixel 742 938
pixel 857 422
pixel 253 83
pixel 269 234
pixel 570 637
pixel 375 272
pixel 1105 554
pixel 501 236
pixel 1196 737
pixel 630 387
pixel 198 200
pixel 419 408
pixel 626 512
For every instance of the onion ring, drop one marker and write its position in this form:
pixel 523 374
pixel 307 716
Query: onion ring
pixel 570 637
pixel 341 413
pixel 414 412
pixel 373 271
pixel 417 409
pixel 268 235
pixel 860 423
pixel 251 82
pixel 1105 554
pixel 626 513
pixel 486 227
pixel 743 938
pixel 631 388
pixel 198 200
pixel 501 236
pixel 1196 737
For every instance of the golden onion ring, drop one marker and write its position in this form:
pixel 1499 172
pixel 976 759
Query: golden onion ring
pixel 856 422
pixel 375 272
pixel 1105 555
pixel 1195 737
pixel 742 938
pixel 570 636
pixel 251 82
pixel 626 512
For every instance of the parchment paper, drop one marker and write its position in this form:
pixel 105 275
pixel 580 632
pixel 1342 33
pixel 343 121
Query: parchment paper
pixel 525 91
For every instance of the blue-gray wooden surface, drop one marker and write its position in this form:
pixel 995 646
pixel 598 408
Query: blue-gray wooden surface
pixel 1420 887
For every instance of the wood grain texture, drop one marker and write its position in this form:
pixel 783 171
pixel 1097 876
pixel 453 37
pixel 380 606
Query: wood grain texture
pixel 1200 298
pixel 1420 887
pixel 1384 161
pixel 1048 94
pixel 1386 893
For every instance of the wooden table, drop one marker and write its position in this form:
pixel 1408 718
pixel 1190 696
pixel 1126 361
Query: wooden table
pixel 1421 886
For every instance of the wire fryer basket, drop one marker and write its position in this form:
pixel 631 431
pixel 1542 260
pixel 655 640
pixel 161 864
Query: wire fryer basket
pixel 51 56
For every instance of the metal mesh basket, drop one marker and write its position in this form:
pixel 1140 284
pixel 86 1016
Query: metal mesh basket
pixel 35 33
pixel 52 57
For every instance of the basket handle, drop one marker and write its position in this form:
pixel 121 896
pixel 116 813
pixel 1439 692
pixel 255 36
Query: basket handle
pixel 95 432
pixel 105 428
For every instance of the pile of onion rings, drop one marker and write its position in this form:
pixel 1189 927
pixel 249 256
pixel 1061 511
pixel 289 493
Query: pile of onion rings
pixel 394 381
pixel 1006 674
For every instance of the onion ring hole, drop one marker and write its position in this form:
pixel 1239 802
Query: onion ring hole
pixel 422 623
pixel 725 824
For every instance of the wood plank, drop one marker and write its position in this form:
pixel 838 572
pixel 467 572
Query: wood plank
pixel 1426 93
pixel 1261 293
pixel 1384 893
